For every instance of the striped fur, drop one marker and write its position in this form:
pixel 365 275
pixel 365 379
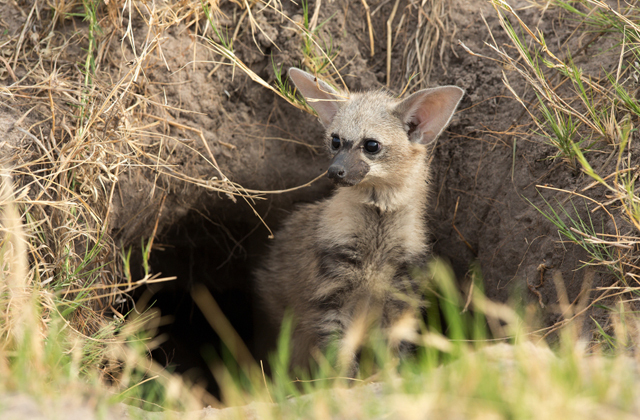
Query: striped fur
pixel 349 256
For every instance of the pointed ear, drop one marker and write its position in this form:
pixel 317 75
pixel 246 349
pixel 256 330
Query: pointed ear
pixel 322 97
pixel 428 111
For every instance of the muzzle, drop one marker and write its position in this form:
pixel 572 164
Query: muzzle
pixel 347 168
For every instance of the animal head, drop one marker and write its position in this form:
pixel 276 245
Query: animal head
pixel 375 139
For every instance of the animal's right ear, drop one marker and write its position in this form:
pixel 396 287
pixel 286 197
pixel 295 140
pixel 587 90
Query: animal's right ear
pixel 318 94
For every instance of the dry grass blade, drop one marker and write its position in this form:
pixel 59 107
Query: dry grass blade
pixel 389 40
pixel 370 26
pixel 313 23
pixel 255 25
pixel 18 316
pixel 428 41
pixel 230 55
pixel 306 33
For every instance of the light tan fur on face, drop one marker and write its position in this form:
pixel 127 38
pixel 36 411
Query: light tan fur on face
pixel 349 257
pixel 370 116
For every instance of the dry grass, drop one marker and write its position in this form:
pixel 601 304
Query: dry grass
pixel 15 284
pixel 427 45
pixel 77 128
pixel 585 112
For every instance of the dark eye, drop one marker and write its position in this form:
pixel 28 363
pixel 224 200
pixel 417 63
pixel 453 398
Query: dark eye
pixel 372 146
pixel 335 143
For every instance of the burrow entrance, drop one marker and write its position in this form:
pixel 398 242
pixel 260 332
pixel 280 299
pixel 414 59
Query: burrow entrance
pixel 221 257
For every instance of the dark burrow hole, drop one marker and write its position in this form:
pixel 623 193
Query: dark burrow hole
pixel 220 257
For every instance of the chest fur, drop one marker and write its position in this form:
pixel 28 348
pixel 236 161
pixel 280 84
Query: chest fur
pixel 368 242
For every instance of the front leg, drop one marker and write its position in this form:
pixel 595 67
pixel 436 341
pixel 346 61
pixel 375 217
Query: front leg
pixel 400 324
pixel 338 329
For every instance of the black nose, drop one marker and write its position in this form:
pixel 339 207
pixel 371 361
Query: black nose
pixel 336 171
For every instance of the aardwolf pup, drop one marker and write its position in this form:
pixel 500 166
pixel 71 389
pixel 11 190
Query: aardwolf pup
pixel 347 259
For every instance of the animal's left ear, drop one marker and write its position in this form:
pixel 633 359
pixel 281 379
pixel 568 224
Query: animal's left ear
pixel 428 111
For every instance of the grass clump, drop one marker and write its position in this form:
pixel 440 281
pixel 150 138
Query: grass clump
pixel 487 362
pixel 67 325
pixel 605 250
pixel 318 59
pixel 584 112
pixel 318 54
pixel 43 351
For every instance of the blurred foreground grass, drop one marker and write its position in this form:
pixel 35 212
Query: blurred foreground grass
pixel 456 373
